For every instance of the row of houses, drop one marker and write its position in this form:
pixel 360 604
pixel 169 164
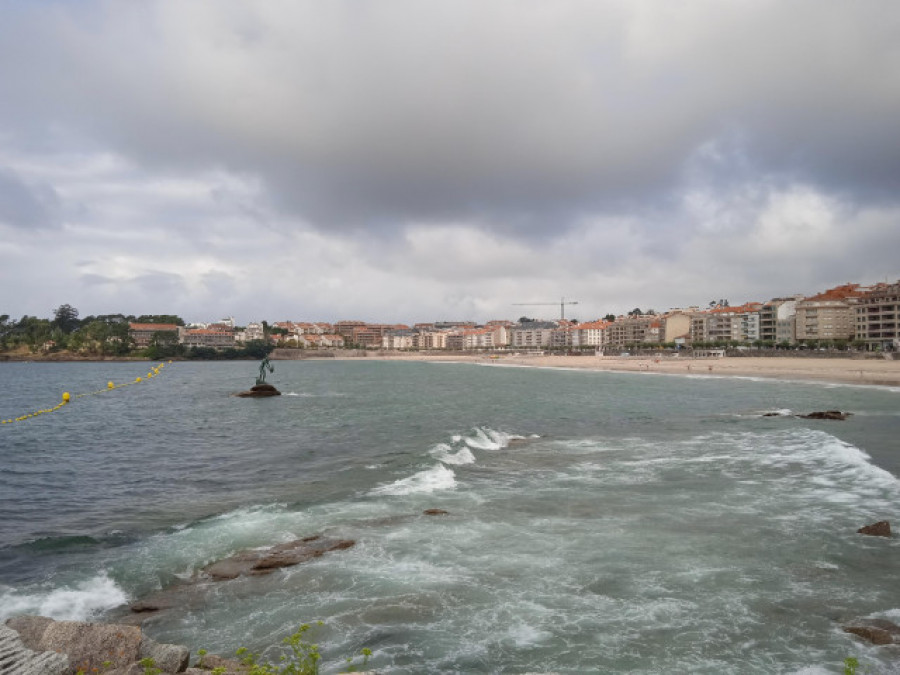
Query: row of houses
pixel 867 315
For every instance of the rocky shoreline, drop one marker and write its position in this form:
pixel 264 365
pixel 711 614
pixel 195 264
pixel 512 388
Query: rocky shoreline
pixel 36 645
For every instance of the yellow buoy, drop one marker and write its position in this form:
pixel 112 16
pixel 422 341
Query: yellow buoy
pixel 66 397
pixel 110 385
pixel 137 379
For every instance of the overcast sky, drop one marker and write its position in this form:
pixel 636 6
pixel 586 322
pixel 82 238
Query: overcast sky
pixel 417 160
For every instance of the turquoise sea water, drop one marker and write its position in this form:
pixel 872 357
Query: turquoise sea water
pixel 598 522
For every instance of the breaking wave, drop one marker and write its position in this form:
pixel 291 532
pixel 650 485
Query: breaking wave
pixel 78 603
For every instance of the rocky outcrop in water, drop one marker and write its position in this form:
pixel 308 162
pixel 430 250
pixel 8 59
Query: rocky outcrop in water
pixel 255 562
pixel 268 560
pixel 259 391
pixel 876 631
pixel 826 415
pixel 880 529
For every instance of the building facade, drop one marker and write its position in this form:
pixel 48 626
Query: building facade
pixel 878 317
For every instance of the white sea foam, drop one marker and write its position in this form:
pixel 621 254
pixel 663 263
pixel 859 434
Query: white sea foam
pixel 436 478
pixel 483 438
pixel 444 453
pixel 76 603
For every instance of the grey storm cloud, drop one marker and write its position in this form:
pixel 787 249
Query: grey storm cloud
pixel 27 206
pixel 521 117
pixel 220 157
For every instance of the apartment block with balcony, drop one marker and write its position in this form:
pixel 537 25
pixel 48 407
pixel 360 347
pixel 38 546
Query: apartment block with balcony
pixel 531 335
pixel 142 333
pixel 878 317
pixel 629 330
pixel 215 336
pixel 828 316
pixel 776 320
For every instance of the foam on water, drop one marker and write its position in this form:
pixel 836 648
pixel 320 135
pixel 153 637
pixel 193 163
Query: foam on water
pixel 483 438
pixel 437 478
pixel 71 603
pixel 444 453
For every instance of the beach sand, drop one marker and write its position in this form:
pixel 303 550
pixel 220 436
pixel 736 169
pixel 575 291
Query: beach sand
pixel 870 371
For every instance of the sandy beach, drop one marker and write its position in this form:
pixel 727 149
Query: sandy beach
pixel 872 371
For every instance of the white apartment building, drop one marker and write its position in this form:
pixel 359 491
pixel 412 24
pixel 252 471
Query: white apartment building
pixel 532 335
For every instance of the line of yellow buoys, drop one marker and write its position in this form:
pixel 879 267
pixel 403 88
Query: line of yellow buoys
pixel 67 397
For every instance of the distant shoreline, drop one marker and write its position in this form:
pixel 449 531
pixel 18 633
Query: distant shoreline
pixel 875 372
pixel 837 370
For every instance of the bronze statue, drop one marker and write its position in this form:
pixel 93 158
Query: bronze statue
pixel 262 370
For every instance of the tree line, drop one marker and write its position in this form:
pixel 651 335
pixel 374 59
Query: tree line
pixel 106 335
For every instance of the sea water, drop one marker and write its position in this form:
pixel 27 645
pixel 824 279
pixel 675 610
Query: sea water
pixel 596 522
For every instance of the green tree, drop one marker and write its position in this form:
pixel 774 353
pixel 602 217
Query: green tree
pixel 65 317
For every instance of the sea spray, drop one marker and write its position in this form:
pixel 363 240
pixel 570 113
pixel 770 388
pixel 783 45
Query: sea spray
pixel 436 478
pixel 79 602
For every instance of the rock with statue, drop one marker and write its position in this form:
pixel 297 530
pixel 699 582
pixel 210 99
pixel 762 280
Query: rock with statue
pixel 261 388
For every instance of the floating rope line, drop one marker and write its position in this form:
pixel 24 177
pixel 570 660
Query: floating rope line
pixel 67 397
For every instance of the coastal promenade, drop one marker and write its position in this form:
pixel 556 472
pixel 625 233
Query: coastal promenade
pixel 868 371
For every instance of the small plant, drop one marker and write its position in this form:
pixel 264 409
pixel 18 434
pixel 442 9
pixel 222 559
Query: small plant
pixel 149 666
pixel 366 653
pixel 303 660
pixel 850 666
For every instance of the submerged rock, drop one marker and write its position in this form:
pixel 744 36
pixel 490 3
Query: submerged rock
pixel 826 415
pixel 880 529
pixel 435 512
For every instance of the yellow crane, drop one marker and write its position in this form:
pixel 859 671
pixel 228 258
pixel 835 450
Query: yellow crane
pixel 562 305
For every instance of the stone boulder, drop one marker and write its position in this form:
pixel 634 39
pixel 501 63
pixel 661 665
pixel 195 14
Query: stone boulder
pixel 168 658
pixel 880 529
pixel 435 512
pixel 16 658
pixel 97 647
pixel 259 391
pixel 826 415
pixel 212 661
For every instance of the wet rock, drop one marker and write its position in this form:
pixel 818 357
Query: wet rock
pixel 267 560
pixel 87 645
pixel 15 657
pixel 212 661
pixel 435 512
pixel 168 658
pixel 880 529
pixel 259 390
pixel 826 415
pixel 876 636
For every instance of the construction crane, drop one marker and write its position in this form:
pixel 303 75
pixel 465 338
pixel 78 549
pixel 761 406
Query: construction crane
pixel 562 306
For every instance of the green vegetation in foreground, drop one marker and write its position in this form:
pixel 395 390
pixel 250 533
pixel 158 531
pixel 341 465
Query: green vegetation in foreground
pixel 303 658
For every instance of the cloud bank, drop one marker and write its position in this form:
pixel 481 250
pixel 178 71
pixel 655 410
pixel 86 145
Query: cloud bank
pixel 413 160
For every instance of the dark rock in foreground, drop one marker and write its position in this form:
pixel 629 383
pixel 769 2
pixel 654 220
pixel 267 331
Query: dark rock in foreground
pixel 826 415
pixel 435 512
pixel 880 529
pixel 259 391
